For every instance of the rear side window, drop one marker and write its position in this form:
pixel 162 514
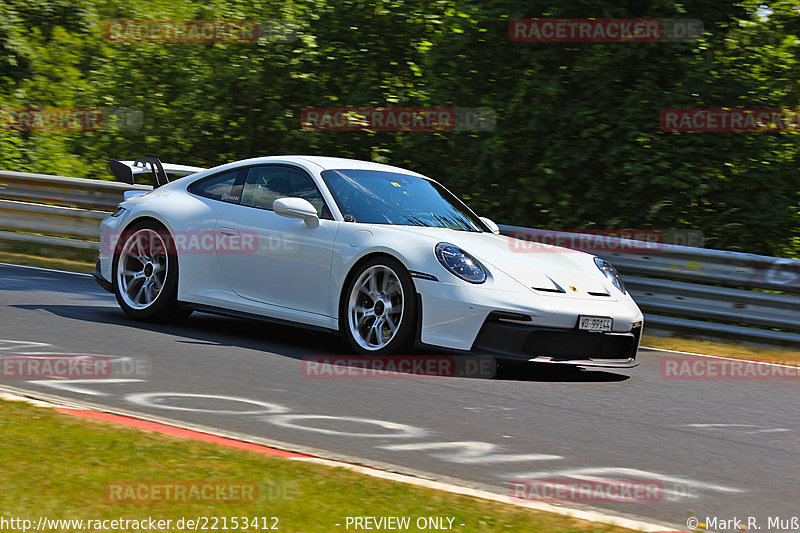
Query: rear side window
pixel 223 187
pixel 265 184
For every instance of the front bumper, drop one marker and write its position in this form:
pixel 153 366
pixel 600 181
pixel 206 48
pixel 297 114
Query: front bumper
pixel 557 345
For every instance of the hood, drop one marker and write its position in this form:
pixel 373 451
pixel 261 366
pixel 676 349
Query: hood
pixel 543 267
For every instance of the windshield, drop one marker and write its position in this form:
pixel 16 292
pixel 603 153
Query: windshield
pixel 378 197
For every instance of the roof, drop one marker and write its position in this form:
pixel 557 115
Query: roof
pixel 332 163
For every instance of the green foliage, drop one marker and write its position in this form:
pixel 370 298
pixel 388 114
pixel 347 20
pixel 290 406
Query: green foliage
pixel 577 143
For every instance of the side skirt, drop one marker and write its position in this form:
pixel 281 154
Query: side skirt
pixel 252 316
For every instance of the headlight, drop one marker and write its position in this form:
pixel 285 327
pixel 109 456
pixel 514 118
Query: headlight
pixel 611 273
pixel 460 263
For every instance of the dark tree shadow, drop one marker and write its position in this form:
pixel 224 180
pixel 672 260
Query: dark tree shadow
pixel 297 342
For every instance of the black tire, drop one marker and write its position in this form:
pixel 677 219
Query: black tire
pixel 363 341
pixel 146 249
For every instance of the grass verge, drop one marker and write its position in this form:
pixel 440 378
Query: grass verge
pixel 725 349
pixel 46 262
pixel 59 466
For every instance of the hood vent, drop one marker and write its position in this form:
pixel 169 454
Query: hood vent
pixel 549 289
pixel 555 288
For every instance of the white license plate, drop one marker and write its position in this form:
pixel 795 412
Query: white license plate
pixel 595 323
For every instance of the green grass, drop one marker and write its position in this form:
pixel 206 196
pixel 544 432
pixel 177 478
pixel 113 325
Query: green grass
pixel 70 265
pixel 57 465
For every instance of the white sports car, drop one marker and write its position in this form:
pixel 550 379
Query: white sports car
pixel 385 256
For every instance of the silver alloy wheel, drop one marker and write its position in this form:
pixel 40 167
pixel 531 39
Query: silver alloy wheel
pixel 142 268
pixel 375 308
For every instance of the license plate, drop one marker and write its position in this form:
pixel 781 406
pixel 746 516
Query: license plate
pixel 595 323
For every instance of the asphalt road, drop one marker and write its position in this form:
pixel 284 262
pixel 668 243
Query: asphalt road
pixel 719 448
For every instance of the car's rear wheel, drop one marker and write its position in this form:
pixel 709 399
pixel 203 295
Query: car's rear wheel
pixel 378 312
pixel 145 274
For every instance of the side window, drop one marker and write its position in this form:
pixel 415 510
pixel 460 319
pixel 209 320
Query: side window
pixel 266 184
pixel 219 187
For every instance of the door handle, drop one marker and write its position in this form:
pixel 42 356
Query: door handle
pixel 229 231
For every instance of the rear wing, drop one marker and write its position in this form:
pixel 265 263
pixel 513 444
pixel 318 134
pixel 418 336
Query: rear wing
pixel 125 171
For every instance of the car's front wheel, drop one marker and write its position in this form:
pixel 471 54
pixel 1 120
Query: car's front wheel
pixel 378 314
pixel 145 274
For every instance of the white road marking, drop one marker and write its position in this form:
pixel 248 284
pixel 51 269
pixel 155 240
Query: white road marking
pixel 470 452
pixel 153 399
pixel 403 430
pixel 7 344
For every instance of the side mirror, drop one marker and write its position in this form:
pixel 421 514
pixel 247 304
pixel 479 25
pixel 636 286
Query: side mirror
pixel 492 226
pixel 297 208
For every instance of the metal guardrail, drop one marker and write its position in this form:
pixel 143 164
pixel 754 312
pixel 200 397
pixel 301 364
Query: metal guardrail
pixel 59 190
pixel 702 292
pixel 681 289
pixel 55 214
